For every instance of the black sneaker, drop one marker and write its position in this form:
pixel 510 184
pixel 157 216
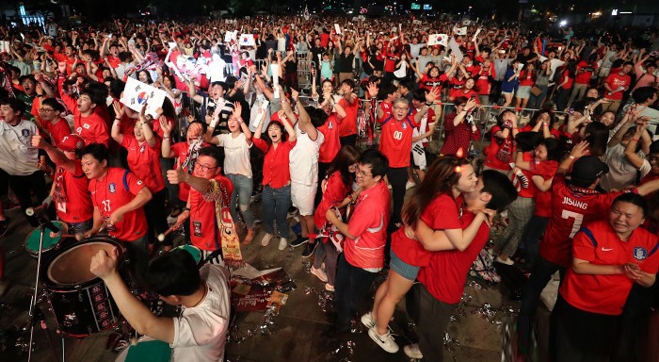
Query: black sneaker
pixel 299 241
pixel 4 225
pixel 309 250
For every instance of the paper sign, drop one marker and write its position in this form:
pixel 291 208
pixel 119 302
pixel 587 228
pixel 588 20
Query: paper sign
pixel 247 40
pixel 416 22
pixel 4 47
pixel 337 28
pixel 466 22
pixel 460 31
pixel 136 94
pixel 171 44
pixel 231 36
pixel 455 49
pixel 438 39
pixel 478 31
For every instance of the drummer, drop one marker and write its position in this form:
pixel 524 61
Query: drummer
pixel 118 197
pixel 70 186
pixel 199 334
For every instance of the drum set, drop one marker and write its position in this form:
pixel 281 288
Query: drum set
pixel 79 301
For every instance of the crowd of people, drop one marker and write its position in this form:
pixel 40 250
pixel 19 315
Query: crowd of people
pixel 570 166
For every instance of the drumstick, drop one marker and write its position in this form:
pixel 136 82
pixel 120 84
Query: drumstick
pixel 77 236
pixel 161 236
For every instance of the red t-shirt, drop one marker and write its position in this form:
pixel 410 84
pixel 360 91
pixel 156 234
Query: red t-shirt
pixel 526 79
pixel 427 83
pixel 507 148
pixel 446 274
pixel 348 125
pixel 615 80
pixel 430 118
pixel 368 224
pixel 441 214
pixel 276 171
pixel 204 232
pixel 396 140
pixel 58 130
pixel 332 144
pixel 76 205
pixel 571 206
pixel 566 76
pixel 585 72
pixel 115 190
pixel 598 243
pixel 457 136
pixel 483 83
pixel 455 89
pixel 93 128
pixel 186 158
pixel 546 169
pixel 334 194
pixel 144 161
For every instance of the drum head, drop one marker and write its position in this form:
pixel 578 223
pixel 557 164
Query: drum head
pixel 32 240
pixel 193 250
pixel 71 266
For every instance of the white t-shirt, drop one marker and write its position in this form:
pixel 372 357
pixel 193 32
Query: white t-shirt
pixel 553 65
pixel 236 154
pixel 621 172
pixel 17 156
pixel 200 332
pixel 303 159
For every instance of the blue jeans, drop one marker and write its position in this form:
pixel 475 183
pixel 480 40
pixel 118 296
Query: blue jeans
pixel 242 193
pixel 531 238
pixel 540 276
pixel 276 203
pixel 535 102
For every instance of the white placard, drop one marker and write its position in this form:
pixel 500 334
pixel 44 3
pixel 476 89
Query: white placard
pixel 466 22
pixel 416 22
pixel 455 49
pixel 460 31
pixel 247 40
pixel 438 39
pixel 5 47
pixel 478 31
pixel 337 28
pixel 136 94
pixel 230 36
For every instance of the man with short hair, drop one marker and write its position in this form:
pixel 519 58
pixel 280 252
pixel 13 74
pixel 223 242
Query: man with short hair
pixel 215 110
pixel 616 85
pixel 350 103
pixel 199 333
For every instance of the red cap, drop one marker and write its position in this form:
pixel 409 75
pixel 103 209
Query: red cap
pixel 71 142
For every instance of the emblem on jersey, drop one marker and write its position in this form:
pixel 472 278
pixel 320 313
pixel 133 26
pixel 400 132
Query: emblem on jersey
pixel 78 130
pixel 142 148
pixel 112 188
pixel 640 253
pixel 139 182
pixel 331 125
pixel 86 126
pixel 25 132
pixel 404 125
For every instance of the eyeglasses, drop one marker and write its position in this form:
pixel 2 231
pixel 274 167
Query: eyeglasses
pixel 363 173
pixel 402 108
pixel 203 168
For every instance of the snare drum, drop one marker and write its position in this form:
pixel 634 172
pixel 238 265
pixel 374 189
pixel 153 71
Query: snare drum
pixel 80 301
pixel 146 350
pixel 49 243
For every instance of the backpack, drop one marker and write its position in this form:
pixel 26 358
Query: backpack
pixel 483 268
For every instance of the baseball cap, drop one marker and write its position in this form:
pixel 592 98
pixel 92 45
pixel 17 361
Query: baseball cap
pixel 587 169
pixel 71 142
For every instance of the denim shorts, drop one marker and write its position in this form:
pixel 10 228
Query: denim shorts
pixel 403 269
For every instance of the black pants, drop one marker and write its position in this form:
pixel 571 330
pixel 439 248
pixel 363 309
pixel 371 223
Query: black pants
pixel 634 324
pixel 578 335
pixel 156 217
pixel 22 187
pixel 348 140
pixel 397 179
pixel 352 285
pixel 431 316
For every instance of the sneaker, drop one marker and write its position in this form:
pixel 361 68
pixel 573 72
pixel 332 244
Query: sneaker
pixel 4 226
pixel 409 185
pixel 318 273
pixel 386 342
pixel 507 261
pixel 266 239
pixel 309 250
pixel 299 241
pixel 329 287
pixel 412 351
pixel 282 243
pixel 368 321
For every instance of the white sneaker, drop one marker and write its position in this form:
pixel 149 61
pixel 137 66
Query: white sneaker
pixel 282 243
pixel 368 321
pixel 413 351
pixel 386 342
pixel 329 287
pixel 319 273
pixel 409 185
pixel 507 261
pixel 266 239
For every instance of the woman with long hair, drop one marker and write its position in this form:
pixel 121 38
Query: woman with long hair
pixel 335 194
pixel 541 82
pixel 437 202
pixel 526 80
pixel 501 151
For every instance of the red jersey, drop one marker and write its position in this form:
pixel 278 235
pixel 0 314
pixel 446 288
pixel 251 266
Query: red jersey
pixel 348 125
pixel 427 83
pixel 93 128
pixel 571 206
pixel 483 82
pixel 456 86
pixel 598 244
pixel 276 170
pixel 186 155
pixel 526 79
pixel 334 195
pixel 442 213
pixel 585 71
pixel 386 108
pixel 565 77
pixel 500 153
pixel 547 170
pixel 71 195
pixel 115 190
pixel 368 223
pixel 332 144
pixel 615 82
pixel 446 274
pixel 57 130
pixel 144 161
pixel 429 117
pixel 457 137
pixel 396 140
pixel 204 232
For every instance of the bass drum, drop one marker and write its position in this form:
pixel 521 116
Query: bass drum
pixel 80 301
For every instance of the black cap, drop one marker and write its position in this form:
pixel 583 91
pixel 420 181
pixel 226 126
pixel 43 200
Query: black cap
pixel 587 169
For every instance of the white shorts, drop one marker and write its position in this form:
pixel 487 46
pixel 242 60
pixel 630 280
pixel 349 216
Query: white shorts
pixel 303 198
